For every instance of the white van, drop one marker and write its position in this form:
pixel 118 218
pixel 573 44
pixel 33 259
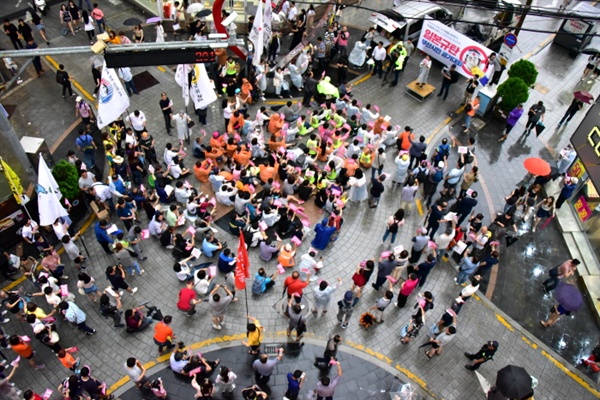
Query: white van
pixel 405 21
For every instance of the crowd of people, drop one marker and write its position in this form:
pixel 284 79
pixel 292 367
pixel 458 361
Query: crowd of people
pixel 272 168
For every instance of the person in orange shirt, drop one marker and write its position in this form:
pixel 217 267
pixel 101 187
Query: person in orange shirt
pixel 275 123
pixel 403 141
pixel 68 360
pixel 380 125
pixel 231 147
pixel 276 142
pixel 217 141
pixel 324 151
pixel 351 164
pixel 236 122
pixel 242 155
pixel 471 108
pixel 213 153
pixel 163 334
pixel 286 256
pixel 268 171
pixel 24 350
pixel 202 170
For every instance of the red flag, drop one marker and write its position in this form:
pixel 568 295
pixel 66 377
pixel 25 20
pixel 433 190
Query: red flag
pixel 242 265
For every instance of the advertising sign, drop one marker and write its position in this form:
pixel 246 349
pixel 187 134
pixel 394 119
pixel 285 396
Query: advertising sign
pixel 586 141
pixel 582 209
pixel 451 47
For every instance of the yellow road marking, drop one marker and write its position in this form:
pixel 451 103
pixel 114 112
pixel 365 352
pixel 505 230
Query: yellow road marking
pixel 529 342
pixel 504 322
pixel 571 374
pixel 419 207
pixel 161 69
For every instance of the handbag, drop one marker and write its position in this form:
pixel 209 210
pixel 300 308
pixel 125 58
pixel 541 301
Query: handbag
pixel 191 124
pixel 539 128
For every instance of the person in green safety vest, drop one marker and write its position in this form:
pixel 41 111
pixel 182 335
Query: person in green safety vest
pixel 398 56
pixel 231 68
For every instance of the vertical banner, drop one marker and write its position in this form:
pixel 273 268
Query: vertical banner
pixel 112 99
pixel 256 36
pixel 48 195
pixel 267 17
pixel 182 79
pixel 201 89
pixel 242 265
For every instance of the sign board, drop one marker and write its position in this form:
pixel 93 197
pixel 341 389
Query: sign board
pixel 160 57
pixel 451 47
pixel 586 141
pixel 505 54
pixel 576 27
pixel 510 39
pixel 582 209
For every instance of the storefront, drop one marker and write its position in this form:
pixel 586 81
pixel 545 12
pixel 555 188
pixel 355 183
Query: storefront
pixel 586 201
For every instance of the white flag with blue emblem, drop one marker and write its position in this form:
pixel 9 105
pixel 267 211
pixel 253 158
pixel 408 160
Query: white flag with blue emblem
pixel 201 88
pixel 256 35
pixel 48 195
pixel 112 98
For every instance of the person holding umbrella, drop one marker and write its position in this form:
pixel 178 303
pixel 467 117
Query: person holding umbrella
pixel 569 300
pixel 512 382
pixel 576 104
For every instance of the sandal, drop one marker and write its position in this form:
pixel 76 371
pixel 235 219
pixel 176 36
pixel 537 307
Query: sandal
pixel 427 354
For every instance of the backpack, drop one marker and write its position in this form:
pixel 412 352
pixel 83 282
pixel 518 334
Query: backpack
pixel 393 228
pixel 257 286
pixel 60 76
pixel 421 175
pixel 438 176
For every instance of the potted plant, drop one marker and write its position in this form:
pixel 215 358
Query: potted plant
pixel 512 92
pixel 67 178
pixel 525 70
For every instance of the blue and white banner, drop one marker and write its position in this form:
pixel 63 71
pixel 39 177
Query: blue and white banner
pixel 48 195
pixel 112 98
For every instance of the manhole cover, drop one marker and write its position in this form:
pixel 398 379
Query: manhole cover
pixel 478 124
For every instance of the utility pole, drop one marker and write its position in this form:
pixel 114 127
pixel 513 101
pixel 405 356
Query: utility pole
pixel 10 138
pixel 523 15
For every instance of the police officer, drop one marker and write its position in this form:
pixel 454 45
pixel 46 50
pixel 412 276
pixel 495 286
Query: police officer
pixel 486 353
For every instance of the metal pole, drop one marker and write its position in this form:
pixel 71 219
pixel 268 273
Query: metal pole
pixel 523 15
pixel 84 246
pixel 11 83
pixel 8 134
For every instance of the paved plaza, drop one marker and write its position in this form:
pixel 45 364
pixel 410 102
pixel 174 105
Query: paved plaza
pixel 510 315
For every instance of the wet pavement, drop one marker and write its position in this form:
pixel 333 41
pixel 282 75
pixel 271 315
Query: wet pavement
pixel 516 293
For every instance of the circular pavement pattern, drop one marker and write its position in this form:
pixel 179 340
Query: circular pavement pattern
pixel 361 379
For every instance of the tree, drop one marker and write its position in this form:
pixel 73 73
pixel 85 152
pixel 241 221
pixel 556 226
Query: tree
pixel 67 178
pixel 525 70
pixel 513 92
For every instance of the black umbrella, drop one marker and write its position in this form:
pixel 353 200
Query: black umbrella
pixel 203 13
pixel 514 382
pixel 132 22
pixel 592 48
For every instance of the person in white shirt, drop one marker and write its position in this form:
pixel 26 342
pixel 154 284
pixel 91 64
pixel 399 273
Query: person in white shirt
pixel 292 12
pixel 28 230
pixel 285 7
pixel 130 137
pixel 367 116
pixel 437 343
pixel 175 169
pixel 138 121
pixel 225 193
pixel 169 154
pixel 379 55
pixel 86 180
pixel 157 225
pixel 203 282
pixel 125 74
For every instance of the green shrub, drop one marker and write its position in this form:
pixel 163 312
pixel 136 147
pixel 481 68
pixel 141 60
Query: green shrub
pixel 513 92
pixel 67 178
pixel 525 70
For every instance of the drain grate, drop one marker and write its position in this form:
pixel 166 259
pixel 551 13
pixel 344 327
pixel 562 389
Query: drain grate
pixel 272 349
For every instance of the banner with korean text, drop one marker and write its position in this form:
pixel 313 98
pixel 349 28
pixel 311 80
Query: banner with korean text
pixel 452 47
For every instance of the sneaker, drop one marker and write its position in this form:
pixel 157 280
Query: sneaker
pixel 93 332
pixel 94 95
pixel 142 272
pixel 134 290
pixel 121 293
pixel 344 325
pixel 455 281
pixel 170 247
pixel 4 312
pixel 217 327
